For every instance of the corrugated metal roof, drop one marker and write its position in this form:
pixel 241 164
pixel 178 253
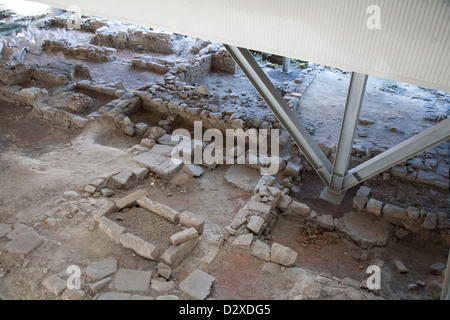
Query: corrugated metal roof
pixel 411 46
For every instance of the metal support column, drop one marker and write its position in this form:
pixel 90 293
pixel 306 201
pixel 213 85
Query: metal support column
pixel 285 115
pixel 355 98
pixel 286 65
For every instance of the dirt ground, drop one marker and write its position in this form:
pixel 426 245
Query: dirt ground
pixel 40 160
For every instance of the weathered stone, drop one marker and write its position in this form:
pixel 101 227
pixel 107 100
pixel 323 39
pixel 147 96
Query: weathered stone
pixel 242 243
pixel 4 229
pixel 401 233
pixel 99 285
pixel 148 143
pixel 375 207
pixel 298 209
pixel 114 296
pixel 265 180
pixel 55 284
pixel 162 286
pixel 176 254
pixel 160 209
pixel 18 230
pixel 364 229
pixel 104 210
pixel 282 255
pixel 139 297
pixel 123 178
pixel 129 130
pixel 359 201
pixel 437 268
pixel 73 195
pixel 163 167
pixel 140 246
pixel 25 242
pixel 261 250
pixel 183 236
pixel 274 191
pixel 164 270
pixel 365 191
pixel 193 170
pixel 102 269
pixel 191 220
pixel 434 289
pixel 167 297
pixel 433 179
pixel 394 214
pixel 261 209
pixel 130 200
pixel 140 173
pixel 167 141
pixel 349 282
pixel 312 291
pixel 284 202
pixel 430 221
pixel 203 90
pixel 326 221
pixel 242 177
pixel 90 189
pixel 73 294
pixel 162 150
pixel 292 169
pixel 197 285
pixel 112 229
pixel 255 224
pixel 107 193
pixel 132 280
pixel 400 267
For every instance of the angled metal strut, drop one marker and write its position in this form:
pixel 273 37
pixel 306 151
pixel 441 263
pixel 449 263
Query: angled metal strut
pixel 337 177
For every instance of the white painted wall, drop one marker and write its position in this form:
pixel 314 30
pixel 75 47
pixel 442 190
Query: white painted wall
pixel 413 44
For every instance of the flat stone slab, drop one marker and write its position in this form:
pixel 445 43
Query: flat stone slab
pixel 130 199
pixel 55 284
pixel 160 209
pixel 4 229
pixel 242 177
pixel 114 296
pixel 191 220
pixel 198 284
pixel 132 280
pixel 183 236
pixel 282 255
pixel 163 167
pixel 102 269
pixel 162 150
pixel 176 254
pixel 140 246
pixel 25 242
pixel 112 229
pixel 123 177
pixel 193 170
pixel 365 229
pixel 255 224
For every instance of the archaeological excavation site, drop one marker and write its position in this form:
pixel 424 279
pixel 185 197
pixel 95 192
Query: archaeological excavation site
pixel 160 151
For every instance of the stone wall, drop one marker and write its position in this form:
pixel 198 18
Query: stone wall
pixel 136 40
pixel 81 52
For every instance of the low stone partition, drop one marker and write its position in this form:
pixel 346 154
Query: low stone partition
pixel 136 40
pixel 183 242
pixel 81 52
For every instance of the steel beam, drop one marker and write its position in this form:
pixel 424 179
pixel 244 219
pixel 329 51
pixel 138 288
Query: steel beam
pixel 401 152
pixel 355 98
pixel 285 115
pixel 286 65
